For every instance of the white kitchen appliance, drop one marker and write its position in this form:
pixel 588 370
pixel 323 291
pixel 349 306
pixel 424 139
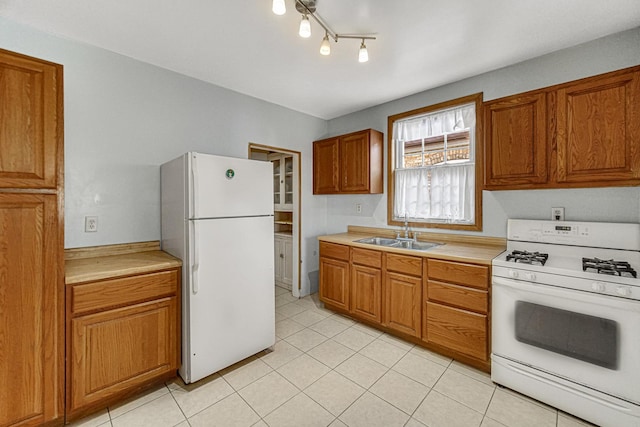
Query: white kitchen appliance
pixel 217 217
pixel 566 317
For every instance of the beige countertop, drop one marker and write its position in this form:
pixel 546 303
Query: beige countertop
pixel 104 262
pixel 456 247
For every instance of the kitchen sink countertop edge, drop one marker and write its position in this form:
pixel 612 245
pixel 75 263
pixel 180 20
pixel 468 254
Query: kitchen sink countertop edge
pixel 111 261
pixel 457 248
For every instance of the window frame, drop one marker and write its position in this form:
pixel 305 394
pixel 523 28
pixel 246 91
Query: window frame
pixel 479 163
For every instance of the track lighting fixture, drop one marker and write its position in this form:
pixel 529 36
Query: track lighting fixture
pixel 308 8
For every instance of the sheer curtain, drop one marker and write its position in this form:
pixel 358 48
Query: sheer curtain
pixel 443 192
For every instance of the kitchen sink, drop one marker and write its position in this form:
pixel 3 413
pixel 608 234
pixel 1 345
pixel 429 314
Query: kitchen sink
pixel 399 243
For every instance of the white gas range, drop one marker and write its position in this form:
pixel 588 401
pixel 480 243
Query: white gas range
pixel 566 317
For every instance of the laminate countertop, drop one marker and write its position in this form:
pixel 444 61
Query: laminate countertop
pixel 455 247
pixel 98 263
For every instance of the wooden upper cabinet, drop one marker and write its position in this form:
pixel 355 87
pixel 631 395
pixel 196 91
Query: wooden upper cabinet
pixel 584 133
pixel 515 141
pixel 350 164
pixel 31 123
pixel 598 130
pixel 326 163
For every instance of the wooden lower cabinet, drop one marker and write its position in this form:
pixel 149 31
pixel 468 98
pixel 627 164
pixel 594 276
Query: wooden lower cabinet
pixel 457 329
pixel 334 275
pixel 456 309
pixel 122 334
pixel 402 308
pixel 441 305
pixel 366 292
pixel 403 288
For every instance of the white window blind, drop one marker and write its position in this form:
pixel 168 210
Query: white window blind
pixel 434 166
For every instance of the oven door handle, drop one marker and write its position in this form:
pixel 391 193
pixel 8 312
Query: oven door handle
pixel 521 288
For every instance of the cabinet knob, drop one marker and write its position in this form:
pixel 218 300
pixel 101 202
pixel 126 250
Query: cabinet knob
pixel 281 255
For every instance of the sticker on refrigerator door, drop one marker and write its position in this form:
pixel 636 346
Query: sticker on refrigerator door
pixel 230 173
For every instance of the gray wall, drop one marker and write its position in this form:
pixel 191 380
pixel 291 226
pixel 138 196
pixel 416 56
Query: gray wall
pixel 124 118
pixel 606 204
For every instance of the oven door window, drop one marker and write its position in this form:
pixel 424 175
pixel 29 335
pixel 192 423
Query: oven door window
pixel 580 336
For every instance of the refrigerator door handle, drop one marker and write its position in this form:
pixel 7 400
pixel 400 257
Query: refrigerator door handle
pixel 195 286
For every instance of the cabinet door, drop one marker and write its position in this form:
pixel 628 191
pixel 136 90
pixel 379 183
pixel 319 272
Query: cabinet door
pixel 30 121
pixel 516 141
pixel 31 310
pixel 287 271
pixel 598 130
pixel 278 264
pixel 456 329
pixel 334 282
pixel 366 292
pixel 113 351
pixel 403 302
pixel 326 166
pixel 354 162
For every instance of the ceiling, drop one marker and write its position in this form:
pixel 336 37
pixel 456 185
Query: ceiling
pixel 241 45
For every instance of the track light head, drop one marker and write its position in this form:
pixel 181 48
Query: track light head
pixel 363 54
pixel 305 27
pixel 325 47
pixel 278 7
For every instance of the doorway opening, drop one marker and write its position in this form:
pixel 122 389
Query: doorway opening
pixel 287 213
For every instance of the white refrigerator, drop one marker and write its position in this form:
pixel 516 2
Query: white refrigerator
pixel 217 217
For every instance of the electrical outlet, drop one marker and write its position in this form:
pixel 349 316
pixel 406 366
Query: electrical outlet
pixel 358 207
pixel 90 224
pixel 557 214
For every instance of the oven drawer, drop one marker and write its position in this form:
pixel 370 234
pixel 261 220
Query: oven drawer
pixel 457 329
pixel 458 296
pixel 473 275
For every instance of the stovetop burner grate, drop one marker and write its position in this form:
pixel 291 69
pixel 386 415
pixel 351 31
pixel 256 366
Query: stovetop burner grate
pixel 527 257
pixel 611 267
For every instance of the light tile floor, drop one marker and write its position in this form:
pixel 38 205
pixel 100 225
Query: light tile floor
pixel 328 370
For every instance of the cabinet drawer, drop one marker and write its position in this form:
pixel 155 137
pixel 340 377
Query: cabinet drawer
pixel 456 329
pixel 476 276
pixel 122 291
pixel 366 257
pixel 405 264
pixel 459 296
pixel 332 250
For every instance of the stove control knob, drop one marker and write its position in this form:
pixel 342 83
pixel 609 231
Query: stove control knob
pixel 623 291
pixel 597 287
pixel 513 274
pixel 530 276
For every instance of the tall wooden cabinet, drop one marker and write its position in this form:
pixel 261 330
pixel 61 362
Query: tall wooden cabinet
pixel 350 164
pixel 31 242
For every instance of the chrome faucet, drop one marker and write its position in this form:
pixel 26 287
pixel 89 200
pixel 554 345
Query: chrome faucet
pixel 406 227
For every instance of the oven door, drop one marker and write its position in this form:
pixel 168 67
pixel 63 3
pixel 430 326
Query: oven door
pixel 587 338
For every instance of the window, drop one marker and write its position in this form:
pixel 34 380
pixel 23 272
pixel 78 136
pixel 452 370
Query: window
pixel 433 152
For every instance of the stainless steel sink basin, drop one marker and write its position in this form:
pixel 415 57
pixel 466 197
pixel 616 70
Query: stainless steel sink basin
pixel 416 245
pixel 380 241
pixel 399 243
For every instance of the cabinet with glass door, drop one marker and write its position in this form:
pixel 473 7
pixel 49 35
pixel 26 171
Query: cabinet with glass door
pixel 282 181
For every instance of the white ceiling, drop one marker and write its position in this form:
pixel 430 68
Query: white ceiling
pixel 243 46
